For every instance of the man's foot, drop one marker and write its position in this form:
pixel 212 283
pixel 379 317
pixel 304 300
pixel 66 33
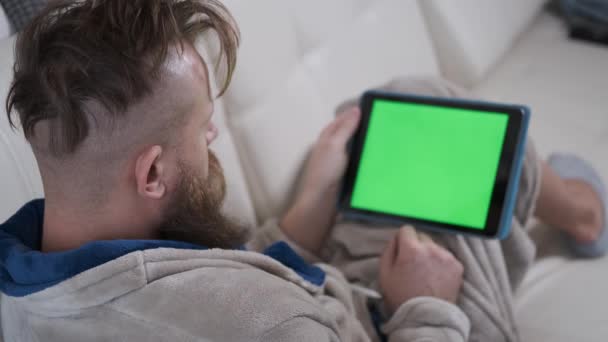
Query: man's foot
pixel 589 220
pixel 587 234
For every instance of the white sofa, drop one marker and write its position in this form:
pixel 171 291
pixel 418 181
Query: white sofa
pixel 5 25
pixel 299 59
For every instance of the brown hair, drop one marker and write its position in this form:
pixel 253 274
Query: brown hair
pixel 108 52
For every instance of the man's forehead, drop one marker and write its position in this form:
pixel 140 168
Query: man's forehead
pixel 183 62
pixel 181 90
pixel 184 82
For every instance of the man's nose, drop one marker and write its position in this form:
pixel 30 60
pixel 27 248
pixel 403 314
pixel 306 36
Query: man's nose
pixel 212 133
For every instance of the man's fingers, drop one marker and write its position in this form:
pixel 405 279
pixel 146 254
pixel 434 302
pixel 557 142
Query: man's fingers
pixel 389 254
pixel 424 238
pixel 346 107
pixel 331 128
pixel 407 242
pixel 444 252
pixel 347 127
pixel 407 234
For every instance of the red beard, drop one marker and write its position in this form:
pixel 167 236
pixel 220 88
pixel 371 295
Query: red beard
pixel 195 215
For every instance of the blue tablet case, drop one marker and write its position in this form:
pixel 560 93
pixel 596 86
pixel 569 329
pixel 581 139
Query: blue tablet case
pixel 512 187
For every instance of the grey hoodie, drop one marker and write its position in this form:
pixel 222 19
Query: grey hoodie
pixel 182 294
pixel 165 291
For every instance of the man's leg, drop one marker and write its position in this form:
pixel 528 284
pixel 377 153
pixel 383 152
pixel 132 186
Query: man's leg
pixel 493 269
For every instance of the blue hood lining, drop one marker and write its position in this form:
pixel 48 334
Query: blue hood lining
pixel 25 270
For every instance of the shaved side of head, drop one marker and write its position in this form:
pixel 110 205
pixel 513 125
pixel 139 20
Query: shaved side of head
pixel 156 119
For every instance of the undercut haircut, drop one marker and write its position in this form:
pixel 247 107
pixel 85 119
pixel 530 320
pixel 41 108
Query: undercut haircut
pixel 105 53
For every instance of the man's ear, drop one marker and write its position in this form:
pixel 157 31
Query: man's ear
pixel 150 174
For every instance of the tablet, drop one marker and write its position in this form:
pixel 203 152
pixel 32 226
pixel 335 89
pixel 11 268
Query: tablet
pixel 442 164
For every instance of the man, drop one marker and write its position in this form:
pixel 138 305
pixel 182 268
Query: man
pixel 130 244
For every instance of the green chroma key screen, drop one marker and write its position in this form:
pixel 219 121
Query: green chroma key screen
pixel 430 162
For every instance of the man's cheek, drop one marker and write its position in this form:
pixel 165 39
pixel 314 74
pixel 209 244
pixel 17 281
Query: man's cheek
pixel 215 178
pixel 213 163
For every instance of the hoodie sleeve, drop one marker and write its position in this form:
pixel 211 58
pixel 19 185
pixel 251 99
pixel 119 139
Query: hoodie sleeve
pixel 428 319
pixel 419 320
pixel 302 329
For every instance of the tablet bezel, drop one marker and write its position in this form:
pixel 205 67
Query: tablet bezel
pixel 503 187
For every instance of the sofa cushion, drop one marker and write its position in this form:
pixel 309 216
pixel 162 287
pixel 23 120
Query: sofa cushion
pixel 298 60
pixel 562 300
pixel 470 36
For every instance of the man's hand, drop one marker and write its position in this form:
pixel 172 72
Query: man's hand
pixel 314 210
pixel 328 159
pixel 412 265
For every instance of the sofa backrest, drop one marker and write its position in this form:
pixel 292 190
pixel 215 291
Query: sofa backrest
pixel 297 62
pixel 471 36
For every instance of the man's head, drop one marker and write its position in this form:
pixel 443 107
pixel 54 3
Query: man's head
pixel 116 104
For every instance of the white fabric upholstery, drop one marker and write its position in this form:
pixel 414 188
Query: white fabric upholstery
pixel 563 300
pixel 5 25
pixel 20 179
pixel 298 60
pixel 564 82
pixel 471 35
